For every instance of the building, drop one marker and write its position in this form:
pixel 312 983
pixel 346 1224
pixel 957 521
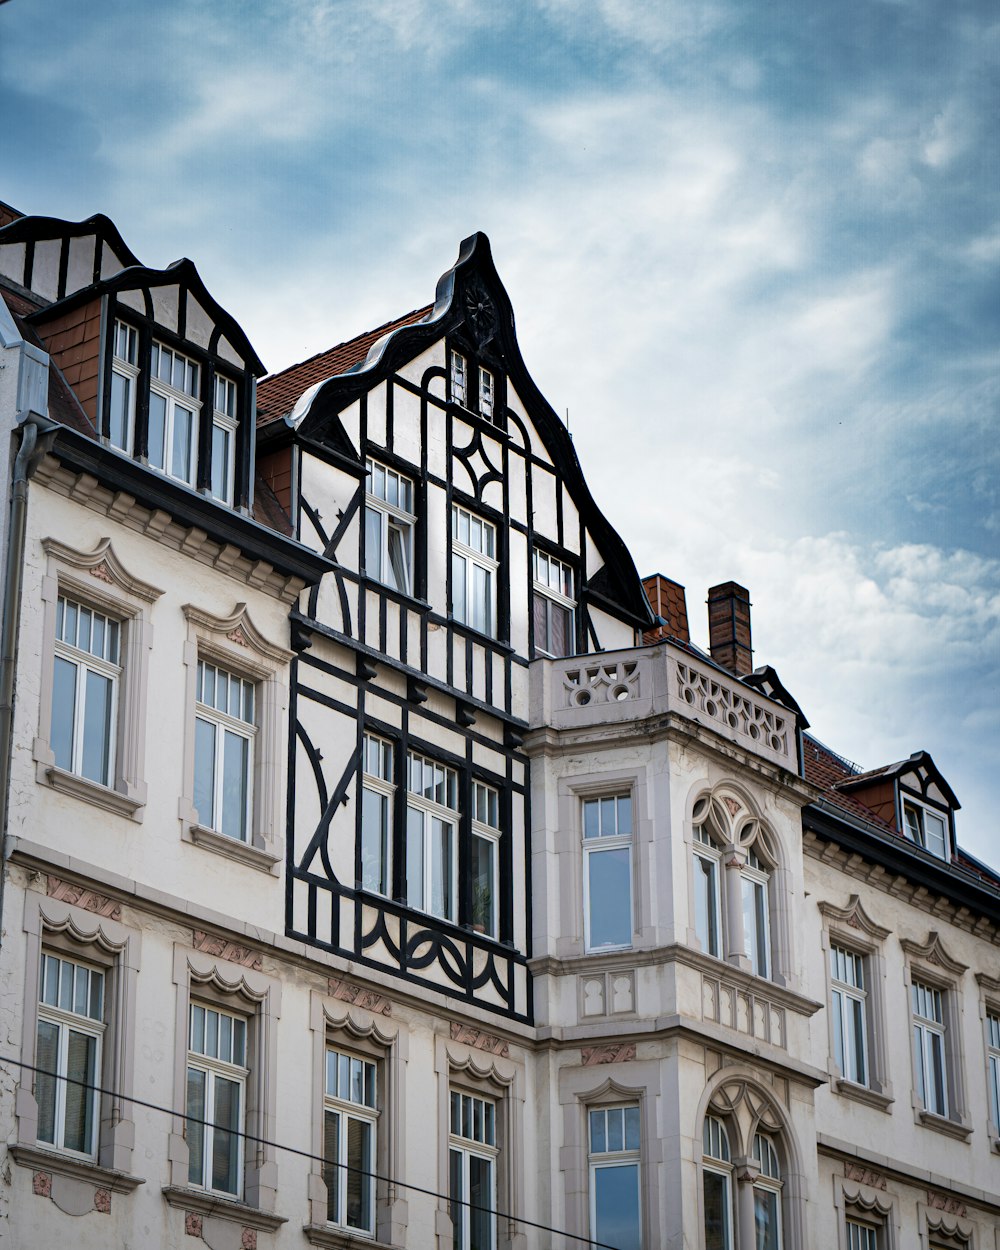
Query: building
pixel 384 865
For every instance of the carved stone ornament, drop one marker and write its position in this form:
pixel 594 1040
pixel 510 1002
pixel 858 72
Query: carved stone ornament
pixel 479 1040
pixel 80 896
pixel 933 952
pixel 102 564
pixel 733 805
pixel 480 312
pixel 103 574
pixel 102 1201
pixel 359 997
pixel 593 1056
pixel 192 1223
pixel 946 1203
pixel 249 1239
pixel 864 1176
pixel 41 1184
pixel 222 948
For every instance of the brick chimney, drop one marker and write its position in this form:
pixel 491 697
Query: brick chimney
pixel 666 598
pixel 729 627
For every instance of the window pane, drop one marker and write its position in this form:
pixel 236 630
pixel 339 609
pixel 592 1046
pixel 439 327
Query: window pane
pixel 225 1142
pixel 483 885
pixel 196 1081
pixel 157 430
pixel 706 916
pixel 46 1058
pixel 399 558
pixel 63 712
pixel 81 1069
pixel 359 1137
pixel 610 881
pixel 331 1172
pixel 482 599
pixel 766 1219
pixel 481 1197
pixel 414 858
pixel 221 438
pixel 616 1206
pixel 121 406
pixel 96 760
pixel 858 1072
pixel 458 588
pixel 375 842
pixel 442 834
pixel 598 1132
pixel 631 1128
pixel 560 619
pixel 183 433
pixel 373 543
pixel 456 1189
pixel 716 1191
pixel 235 780
pixel 204 771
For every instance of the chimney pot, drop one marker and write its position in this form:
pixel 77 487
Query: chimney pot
pixel 729 627
pixel 667 600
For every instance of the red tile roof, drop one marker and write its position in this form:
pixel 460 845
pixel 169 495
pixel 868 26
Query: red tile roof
pixel 277 394
pixel 826 769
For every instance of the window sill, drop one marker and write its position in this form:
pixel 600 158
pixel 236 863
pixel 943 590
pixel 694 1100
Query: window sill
pixel 398 596
pixel 41 1160
pixel 333 1238
pixel 204 1203
pixel 477 635
pixel 941 1124
pixel 863 1093
pixel 93 792
pixel 242 852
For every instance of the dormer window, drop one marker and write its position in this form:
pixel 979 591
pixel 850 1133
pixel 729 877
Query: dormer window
pixel 223 438
pixel 173 413
pixel 486 394
pixel 926 828
pixel 124 373
pixel 459 388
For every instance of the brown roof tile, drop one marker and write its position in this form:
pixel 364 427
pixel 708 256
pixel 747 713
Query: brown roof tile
pixel 826 769
pixel 277 394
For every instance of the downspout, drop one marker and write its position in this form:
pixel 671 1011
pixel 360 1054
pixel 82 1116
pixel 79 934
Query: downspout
pixel 32 448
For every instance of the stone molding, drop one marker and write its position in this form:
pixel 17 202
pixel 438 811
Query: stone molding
pixel 208 1205
pixel 232 952
pixel 80 896
pixel 593 1056
pixel 46 1163
pixel 478 1039
pixel 359 996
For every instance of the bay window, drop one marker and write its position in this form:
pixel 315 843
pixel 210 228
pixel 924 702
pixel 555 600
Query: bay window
pixel 350 1120
pixel 216 1097
pixel 473 571
pixel 70 1034
pixel 607 872
pixel 389 527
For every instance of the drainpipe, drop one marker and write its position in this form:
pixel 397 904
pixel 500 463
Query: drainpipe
pixel 36 436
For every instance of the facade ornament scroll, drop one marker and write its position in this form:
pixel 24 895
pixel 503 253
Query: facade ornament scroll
pixel 933 952
pixel 103 565
pixel 368 1000
pixel 855 917
pixel 593 1056
pixel 239 629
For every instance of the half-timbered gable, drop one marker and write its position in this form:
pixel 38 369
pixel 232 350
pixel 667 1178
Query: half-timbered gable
pixel 424 461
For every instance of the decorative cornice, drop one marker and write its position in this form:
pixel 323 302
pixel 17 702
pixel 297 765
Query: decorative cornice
pixel 239 629
pixel 855 917
pixel 202 1203
pixel 103 564
pixel 234 848
pixel 78 1169
pixel 933 952
pixel 222 948
pixel 481 1041
pixel 81 896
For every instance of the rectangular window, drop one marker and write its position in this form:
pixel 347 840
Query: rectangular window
pixel 223 751
pixel 849 1006
pixel 472 1167
pixel 223 439
pixel 929 1047
pixel 173 413
pixel 863 1236
pixel 459 388
pixel 756 916
pixel 485 846
pixel 926 828
pixel 486 394
pixel 707 897
pixel 124 372
pixel 376 815
pixel 85 681
pixel 615 1217
pixel 554 606
pixel 993 1063
pixel 473 571
pixel 70 1034
pixel 216 1094
pixel 350 1123
pixel 389 526
pixel 431 837
pixel 607 872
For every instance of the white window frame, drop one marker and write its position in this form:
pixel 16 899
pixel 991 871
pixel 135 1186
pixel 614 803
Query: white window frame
pixel 174 397
pixel 596 844
pixel 755 883
pixel 916 829
pixel 480 1145
pixel 347 1108
pixel 84 660
pixel 608 1159
pixel 224 722
pixel 429 810
pixel 926 1029
pixel 216 1068
pixel 486 830
pixel 870 1234
pixel 769 1182
pixel 224 417
pixel 125 340
pixel 472 557
pixel 706 851
pixel 377 773
pixel 487 394
pixel 391 516
pixel 849 995
pixel 716 1159
pixel 993 1067
pixel 550 579
pixel 65 1020
pixel 458 376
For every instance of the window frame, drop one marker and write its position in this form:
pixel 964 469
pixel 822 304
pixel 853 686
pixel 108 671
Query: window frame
pixel 173 398
pixel 928 1029
pixel 85 662
pixel 390 517
pixel 842 991
pixel 485 827
pixel 608 1160
pixel 468 1149
pixel 553 597
pixel 757 880
pixel 706 849
pixel 769 1182
pixel 929 965
pixel 383 786
pixel 127 368
pixel 718 1164
pixel 474 559
pixel 215 1069
pixel 916 832
pixel 347 1110
pixel 604 843
pixel 458 377
pixel 430 810
pixel 229 422
pixel 225 723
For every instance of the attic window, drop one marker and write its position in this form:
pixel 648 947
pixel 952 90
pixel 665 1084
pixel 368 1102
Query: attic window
pixel 486 394
pixel 459 389
pixel 926 828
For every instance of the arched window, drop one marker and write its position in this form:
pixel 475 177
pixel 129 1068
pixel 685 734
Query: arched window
pixel 717 1185
pixel 708 890
pixel 754 883
pixel 767 1195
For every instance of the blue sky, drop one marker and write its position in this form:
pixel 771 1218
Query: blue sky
pixel 753 250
